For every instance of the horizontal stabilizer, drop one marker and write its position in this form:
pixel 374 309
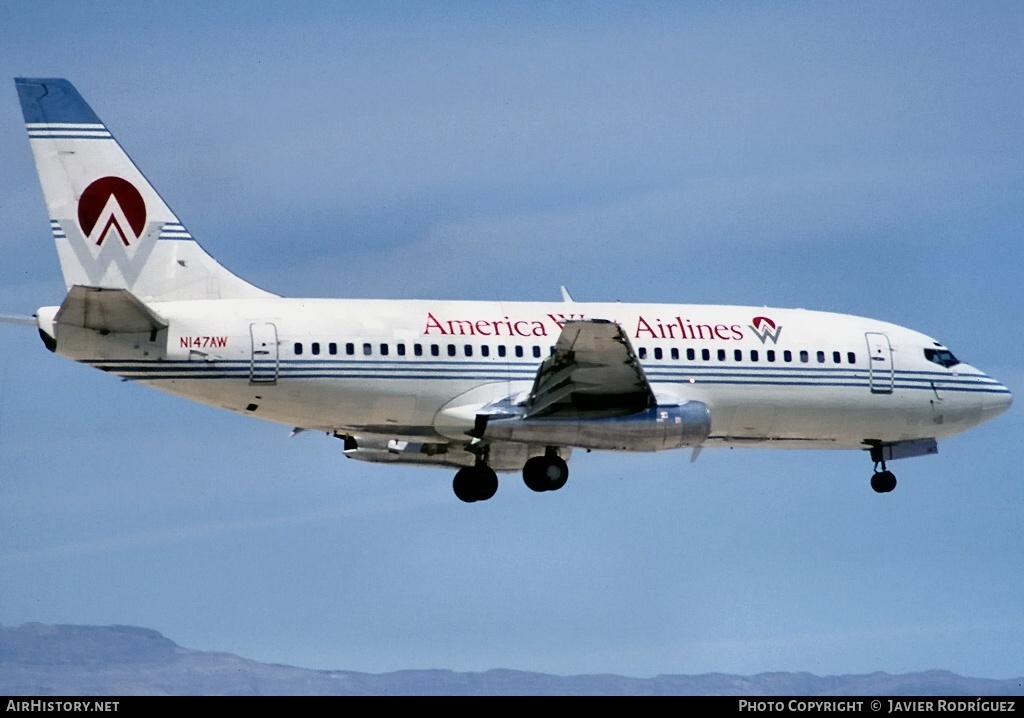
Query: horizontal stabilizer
pixel 107 310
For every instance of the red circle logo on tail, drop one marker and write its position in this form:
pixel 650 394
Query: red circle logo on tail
pixel 93 204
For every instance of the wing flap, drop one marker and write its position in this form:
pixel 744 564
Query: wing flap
pixel 592 372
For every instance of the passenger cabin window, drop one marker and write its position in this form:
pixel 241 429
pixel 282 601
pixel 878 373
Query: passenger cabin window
pixel 643 352
pixel 837 358
pixel 501 350
pixel 401 349
pixel 737 354
pixel 519 350
pixel 942 357
pixel 350 348
pixel 435 351
pixel 658 354
pixel 451 350
pixel 721 355
pixel 705 354
pixel 332 348
pixel 787 356
pixel 485 351
pixel 770 355
pixel 417 349
pixel 675 353
pixel 315 347
pixel 851 357
pixel 691 354
pixel 821 357
pixel 298 348
pixel 803 356
pixel 367 349
pixel 383 350
pixel 469 350
pixel 536 352
pixel 753 355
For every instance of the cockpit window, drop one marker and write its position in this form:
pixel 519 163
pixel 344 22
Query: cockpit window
pixel 943 357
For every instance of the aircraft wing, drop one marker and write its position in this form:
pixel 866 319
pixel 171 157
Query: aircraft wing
pixel 27 321
pixel 593 372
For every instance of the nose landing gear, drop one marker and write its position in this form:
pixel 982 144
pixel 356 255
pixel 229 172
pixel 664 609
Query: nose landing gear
pixel 882 481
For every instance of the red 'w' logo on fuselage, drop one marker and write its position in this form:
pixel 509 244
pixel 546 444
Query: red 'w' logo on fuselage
pixel 112 204
pixel 765 329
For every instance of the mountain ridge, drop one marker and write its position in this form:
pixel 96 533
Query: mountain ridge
pixel 41 659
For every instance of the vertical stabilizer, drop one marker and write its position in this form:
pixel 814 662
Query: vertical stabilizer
pixel 111 227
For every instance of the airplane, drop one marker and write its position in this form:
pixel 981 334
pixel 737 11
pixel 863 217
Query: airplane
pixel 480 387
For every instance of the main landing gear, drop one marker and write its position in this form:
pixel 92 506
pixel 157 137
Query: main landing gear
pixel 882 481
pixel 541 473
pixel 546 473
pixel 475 483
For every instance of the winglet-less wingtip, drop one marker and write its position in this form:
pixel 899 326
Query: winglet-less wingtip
pixel 565 295
pixel 26 321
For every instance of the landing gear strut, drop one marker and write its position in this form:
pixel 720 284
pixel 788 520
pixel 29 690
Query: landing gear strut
pixel 546 473
pixel 882 481
pixel 475 483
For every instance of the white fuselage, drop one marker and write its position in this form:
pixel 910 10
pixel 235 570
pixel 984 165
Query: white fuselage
pixel 421 369
pixel 485 386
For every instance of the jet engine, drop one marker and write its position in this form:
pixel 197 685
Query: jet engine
pixel 655 429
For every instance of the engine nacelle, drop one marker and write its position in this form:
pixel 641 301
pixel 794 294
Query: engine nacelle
pixel 656 429
pixel 383 456
pixel 381 449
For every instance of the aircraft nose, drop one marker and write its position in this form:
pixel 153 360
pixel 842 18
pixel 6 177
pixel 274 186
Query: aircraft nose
pixel 1003 401
pixel 997 401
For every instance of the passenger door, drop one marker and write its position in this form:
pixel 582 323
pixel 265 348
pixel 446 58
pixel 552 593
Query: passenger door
pixel 880 369
pixel 263 367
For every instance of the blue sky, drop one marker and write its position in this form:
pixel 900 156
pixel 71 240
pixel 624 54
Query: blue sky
pixel 867 159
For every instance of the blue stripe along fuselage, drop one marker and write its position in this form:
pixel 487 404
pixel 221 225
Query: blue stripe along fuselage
pixel 510 371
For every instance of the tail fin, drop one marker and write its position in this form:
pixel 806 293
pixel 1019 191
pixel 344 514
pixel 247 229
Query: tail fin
pixel 111 227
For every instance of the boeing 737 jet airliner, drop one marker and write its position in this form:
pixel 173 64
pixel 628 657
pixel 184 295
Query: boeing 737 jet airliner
pixel 481 387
